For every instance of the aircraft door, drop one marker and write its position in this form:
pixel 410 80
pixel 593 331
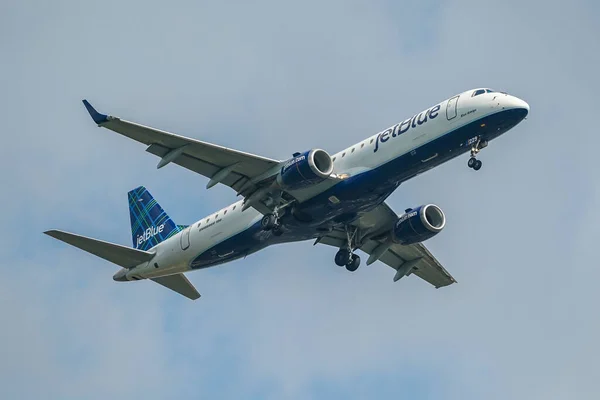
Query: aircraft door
pixel 451 108
pixel 185 238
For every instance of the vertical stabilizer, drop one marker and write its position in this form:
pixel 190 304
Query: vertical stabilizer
pixel 150 225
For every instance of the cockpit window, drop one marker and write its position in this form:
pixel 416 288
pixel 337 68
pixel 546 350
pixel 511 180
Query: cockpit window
pixel 478 92
pixel 489 91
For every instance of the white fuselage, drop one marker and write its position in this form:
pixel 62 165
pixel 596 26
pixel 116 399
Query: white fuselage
pixel 176 254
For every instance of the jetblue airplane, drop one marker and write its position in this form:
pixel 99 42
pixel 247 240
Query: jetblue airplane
pixel 337 200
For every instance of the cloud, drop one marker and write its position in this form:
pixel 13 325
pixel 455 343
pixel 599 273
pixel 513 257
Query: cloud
pixel 274 78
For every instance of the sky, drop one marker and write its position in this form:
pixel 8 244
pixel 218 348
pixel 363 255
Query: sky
pixel 273 78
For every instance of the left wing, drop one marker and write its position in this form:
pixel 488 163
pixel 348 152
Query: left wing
pixel 405 259
pixel 243 172
pixel 180 284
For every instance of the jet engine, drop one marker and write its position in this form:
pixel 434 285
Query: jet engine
pixel 306 169
pixel 419 224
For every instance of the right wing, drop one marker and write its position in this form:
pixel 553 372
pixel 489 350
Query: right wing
pixel 243 172
pixel 405 259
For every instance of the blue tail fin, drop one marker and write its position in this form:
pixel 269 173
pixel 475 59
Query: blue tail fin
pixel 150 225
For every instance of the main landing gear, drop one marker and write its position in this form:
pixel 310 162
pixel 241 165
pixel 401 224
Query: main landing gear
pixel 345 256
pixel 473 161
pixel 270 222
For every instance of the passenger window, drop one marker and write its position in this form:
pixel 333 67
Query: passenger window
pixel 234 207
pixel 207 219
pixel 362 145
pixel 352 150
pixel 343 154
pixel 333 159
pixel 478 92
pixel 199 224
pixel 224 212
pixel 372 140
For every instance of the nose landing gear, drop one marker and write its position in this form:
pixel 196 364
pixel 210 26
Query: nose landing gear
pixel 473 161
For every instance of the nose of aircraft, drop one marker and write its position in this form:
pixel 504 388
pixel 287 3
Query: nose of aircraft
pixel 515 102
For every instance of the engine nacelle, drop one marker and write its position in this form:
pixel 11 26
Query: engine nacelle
pixel 309 168
pixel 419 224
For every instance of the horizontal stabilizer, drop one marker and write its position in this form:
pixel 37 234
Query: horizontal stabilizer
pixel 124 256
pixel 180 284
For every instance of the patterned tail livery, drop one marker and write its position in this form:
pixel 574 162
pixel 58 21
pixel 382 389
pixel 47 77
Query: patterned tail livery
pixel 150 225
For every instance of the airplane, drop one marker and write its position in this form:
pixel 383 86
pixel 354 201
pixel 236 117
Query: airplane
pixel 336 200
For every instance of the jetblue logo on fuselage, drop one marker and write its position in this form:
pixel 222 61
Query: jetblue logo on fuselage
pixel 150 233
pixel 404 126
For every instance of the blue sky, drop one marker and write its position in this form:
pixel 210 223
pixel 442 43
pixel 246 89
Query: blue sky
pixel 273 78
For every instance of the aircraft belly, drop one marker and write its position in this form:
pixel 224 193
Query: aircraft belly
pixel 239 245
pixel 246 242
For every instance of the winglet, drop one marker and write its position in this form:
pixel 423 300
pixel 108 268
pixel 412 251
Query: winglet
pixel 96 116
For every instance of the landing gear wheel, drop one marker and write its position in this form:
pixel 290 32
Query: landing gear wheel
pixel 354 263
pixel 474 162
pixel 268 222
pixel 277 231
pixel 342 257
